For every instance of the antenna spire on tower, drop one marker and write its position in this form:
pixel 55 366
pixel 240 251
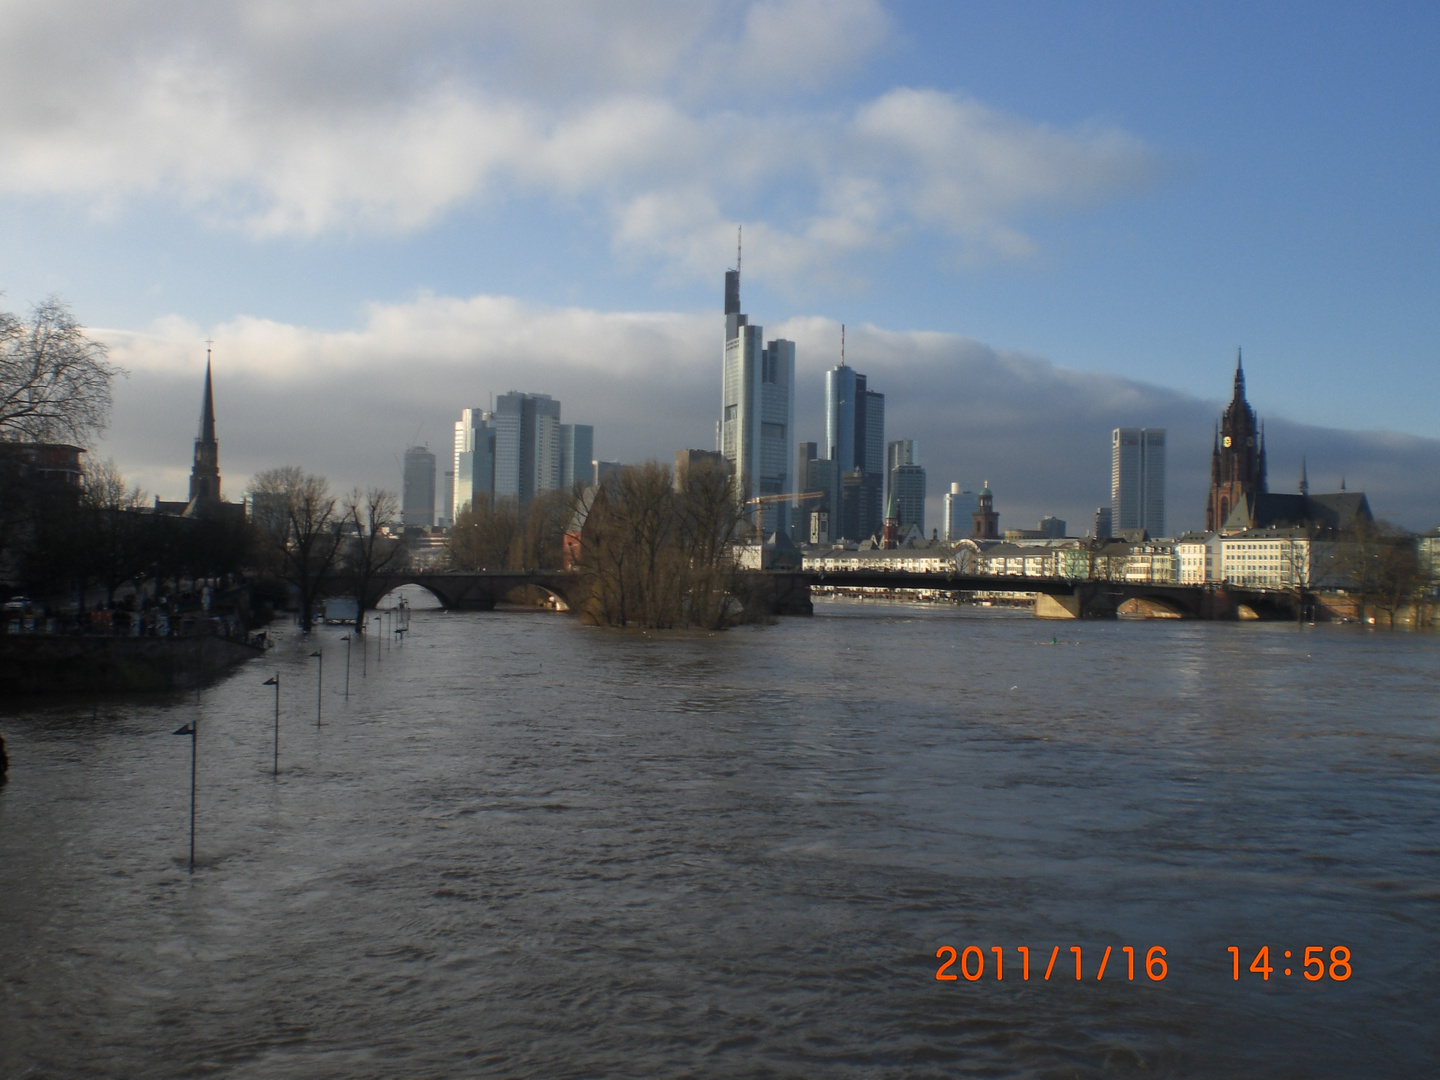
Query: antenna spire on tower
pixel 842 344
pixel 739 233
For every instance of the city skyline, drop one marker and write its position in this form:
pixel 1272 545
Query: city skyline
pixel 1014 211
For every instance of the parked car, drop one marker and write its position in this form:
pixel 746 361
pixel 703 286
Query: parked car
pixel 17 605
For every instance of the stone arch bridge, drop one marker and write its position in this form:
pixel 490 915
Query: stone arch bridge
pixel 787 592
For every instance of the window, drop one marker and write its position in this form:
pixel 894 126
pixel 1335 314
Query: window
pixel 730 414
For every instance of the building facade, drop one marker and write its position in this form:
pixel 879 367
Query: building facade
pixel 1137 480
pixel 417 488
pixel 1102 526
pixel 905 482
pixel 757 409
pixel 960 506
pixel 855 439
pixel 472 472
pixel 527 446
pixel 1198 558
pixel 577 451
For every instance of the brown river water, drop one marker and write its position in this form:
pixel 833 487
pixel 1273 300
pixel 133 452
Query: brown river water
pixel 527 848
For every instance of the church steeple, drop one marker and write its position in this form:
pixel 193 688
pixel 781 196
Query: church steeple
pixel 205 471
pixel 1237 462
pixel 1304 478
pixel 207 406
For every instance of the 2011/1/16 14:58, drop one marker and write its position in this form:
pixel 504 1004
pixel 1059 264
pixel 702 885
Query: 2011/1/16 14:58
pixel 1154 965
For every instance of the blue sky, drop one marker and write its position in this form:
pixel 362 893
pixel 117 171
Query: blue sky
pixel 437 204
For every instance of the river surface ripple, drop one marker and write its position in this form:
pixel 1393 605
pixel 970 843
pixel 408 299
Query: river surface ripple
pixel 527 848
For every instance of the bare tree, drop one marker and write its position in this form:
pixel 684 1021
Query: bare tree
pixel 1381 563
pixel 300 528
pixel 657 558
pixel 117 538
pixel 54 381
pixel 372 550
pixel 485 534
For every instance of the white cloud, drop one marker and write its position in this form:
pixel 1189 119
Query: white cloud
pixel 346 403
pixel 672 121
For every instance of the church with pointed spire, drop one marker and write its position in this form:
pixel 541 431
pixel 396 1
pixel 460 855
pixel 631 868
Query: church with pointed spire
pixel 205 471
pixel 204 500
pixel 1237 460
pixel 1240 499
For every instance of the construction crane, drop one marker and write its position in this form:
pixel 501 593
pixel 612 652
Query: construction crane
pixel 761 501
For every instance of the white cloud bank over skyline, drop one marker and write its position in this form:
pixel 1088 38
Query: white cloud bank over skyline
pixel 667 123
pixel 346 403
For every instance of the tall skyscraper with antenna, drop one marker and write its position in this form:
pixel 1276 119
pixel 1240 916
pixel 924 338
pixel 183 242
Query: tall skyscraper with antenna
pixel 855 441
pixel 757 407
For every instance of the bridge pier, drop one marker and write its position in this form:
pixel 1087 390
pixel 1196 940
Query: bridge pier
pixel 1058 607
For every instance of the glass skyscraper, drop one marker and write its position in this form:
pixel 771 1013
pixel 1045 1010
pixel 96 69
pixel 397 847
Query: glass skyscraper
pixel 417 492
pixel 757 409
pixel 855 439
pixel 1137 480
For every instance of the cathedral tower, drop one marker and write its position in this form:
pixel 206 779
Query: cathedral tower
pixel 1237 461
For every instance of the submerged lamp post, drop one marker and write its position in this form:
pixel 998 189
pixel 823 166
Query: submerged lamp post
pixel 319 682
pixel 346 639
pixel 193 730
pixel 274 681
pixel 379 633
pixel 364 644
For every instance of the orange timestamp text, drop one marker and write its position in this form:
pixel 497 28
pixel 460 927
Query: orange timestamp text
pixel 970 963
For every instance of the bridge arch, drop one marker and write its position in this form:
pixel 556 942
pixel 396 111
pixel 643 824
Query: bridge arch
pixel 417 596
pixel 1152 607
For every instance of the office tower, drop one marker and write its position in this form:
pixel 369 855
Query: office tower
pixel 901 452
pixel 417 492
pixel 823 475
pixel 1051 527
pixel 1137 480
pixel 577 450
pixel 527 445
pixel 860 493
pixel 446 517
pixel 960 508
pixel 1101 529
pixel 757 409
pixel 855 438
pixel 685 460
pixel 907 494
pixel 472 476
pixel 809 452
pixel 905 482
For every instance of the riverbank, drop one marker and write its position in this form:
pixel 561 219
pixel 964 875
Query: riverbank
pixel 47 664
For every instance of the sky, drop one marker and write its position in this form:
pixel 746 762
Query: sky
pixel 1036 221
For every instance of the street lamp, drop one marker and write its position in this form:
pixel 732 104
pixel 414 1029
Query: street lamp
pixel 274 681
pixel 379 633
pixel 193 730
pixel 364 644
pixel 346 639
pixel 319 683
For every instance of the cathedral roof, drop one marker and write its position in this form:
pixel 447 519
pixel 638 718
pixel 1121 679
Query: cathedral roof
pixel 1340 511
